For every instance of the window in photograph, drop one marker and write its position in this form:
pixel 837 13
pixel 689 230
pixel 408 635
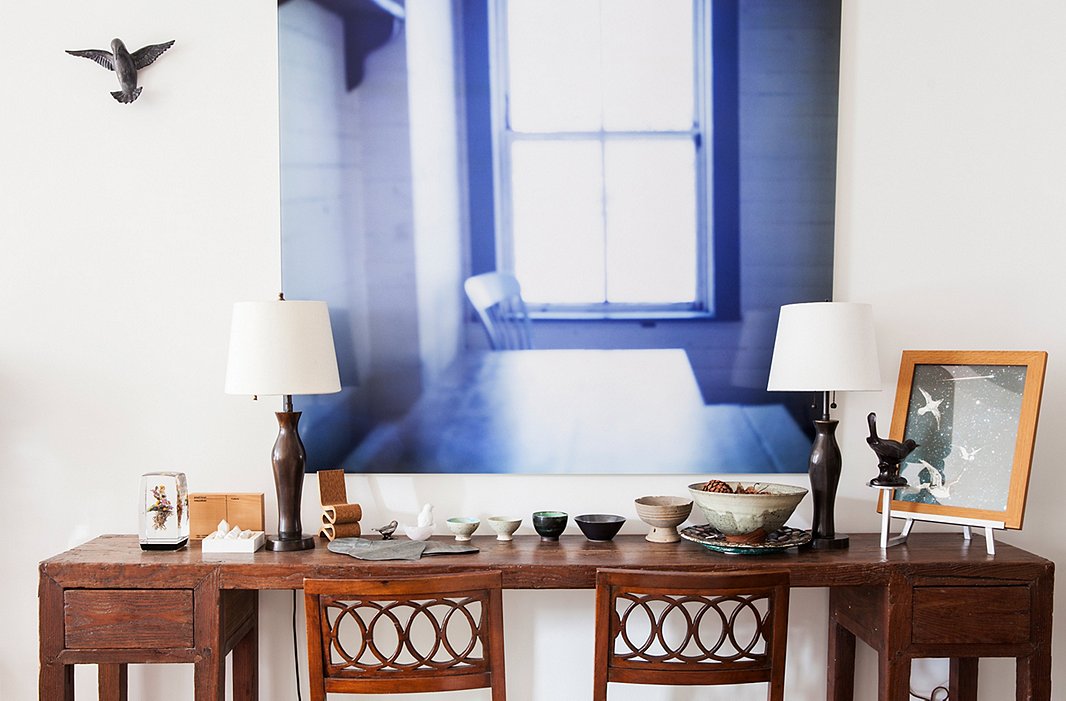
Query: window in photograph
pixel 601 192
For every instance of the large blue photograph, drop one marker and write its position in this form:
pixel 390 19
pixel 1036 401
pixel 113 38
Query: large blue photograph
pixel 554 235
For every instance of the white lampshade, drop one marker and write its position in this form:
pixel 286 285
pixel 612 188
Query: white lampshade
pixel 825 346
pixel 282 347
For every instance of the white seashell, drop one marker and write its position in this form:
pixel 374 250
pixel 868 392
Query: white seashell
pixel 245 535
pixel 233 533
pixel 223 527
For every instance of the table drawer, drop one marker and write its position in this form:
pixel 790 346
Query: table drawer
pixel 990 615
pixel 127 619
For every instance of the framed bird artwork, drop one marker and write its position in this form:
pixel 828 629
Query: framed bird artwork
pixel 973 416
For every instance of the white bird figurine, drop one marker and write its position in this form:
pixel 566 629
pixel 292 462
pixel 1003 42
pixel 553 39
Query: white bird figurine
pixel 969 455
pixel 125 65
pixel 930 407
pixel 424 528
pixel 935 485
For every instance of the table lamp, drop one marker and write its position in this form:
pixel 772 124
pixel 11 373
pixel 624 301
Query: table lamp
pixel 825 347
pixel 283 348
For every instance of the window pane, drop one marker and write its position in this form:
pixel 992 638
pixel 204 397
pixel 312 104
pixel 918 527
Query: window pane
pixel 557 202
pixel 648 64
pixel 553 54
pixel 651 220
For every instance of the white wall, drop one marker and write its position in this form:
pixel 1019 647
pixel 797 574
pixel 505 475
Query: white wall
pixel 950 215
pixel 436 164
pixel 128 230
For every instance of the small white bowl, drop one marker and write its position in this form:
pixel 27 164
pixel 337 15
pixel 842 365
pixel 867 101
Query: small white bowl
pixel 463 527
pixel 504 526
pixel 418 532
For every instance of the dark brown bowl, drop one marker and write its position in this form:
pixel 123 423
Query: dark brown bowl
pixel 599 526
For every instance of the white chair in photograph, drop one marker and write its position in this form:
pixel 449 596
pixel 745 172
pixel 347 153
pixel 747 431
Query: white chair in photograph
pixel 497 298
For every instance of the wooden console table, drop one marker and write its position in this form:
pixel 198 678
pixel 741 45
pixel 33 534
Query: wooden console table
pixel 109 603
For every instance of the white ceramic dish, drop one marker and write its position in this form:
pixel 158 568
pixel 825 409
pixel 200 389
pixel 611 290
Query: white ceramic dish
pixel 234 545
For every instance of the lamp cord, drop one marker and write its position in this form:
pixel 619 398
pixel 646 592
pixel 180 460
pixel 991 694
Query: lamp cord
pixel 295 647
pixel 933 695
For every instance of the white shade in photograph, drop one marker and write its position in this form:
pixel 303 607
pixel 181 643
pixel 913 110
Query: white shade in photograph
pixel 281 347
pixel 825 346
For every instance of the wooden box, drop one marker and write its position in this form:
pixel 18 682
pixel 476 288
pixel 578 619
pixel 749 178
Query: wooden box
pixel 206 510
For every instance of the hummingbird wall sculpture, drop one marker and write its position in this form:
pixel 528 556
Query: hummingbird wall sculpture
pixel 125 65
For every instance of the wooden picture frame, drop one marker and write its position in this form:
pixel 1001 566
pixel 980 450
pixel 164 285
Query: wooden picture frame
pixel 974 415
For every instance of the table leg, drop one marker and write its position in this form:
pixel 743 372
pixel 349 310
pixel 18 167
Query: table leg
pixel 894 678
pixel 1034 677
pixel 112 682
pixel 962 679
pixel 56 682
pixel 246 660
pixel 209 672
pixel 840 674
pixel 1034 672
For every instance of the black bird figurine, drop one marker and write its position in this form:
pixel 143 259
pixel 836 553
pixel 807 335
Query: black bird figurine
pixel 889 455
pixel 387 530
pixel 125 65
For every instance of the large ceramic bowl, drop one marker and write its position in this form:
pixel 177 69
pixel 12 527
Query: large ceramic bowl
pixel 748 517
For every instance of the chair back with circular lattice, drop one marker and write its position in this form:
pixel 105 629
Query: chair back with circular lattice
pixel 409 634
pixel 685 628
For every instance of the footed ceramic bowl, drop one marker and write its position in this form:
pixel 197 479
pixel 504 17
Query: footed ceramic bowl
pixel 463 527
pixel 748 517
pixel 599 526
pixel 504 526
pixel 664 515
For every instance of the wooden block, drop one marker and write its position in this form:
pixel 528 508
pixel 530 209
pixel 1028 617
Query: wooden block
pixel 245 510
pixel 331 487
pixel 206 510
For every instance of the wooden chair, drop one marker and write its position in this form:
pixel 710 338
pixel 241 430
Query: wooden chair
pixel 497 298
pixel 408 634
pixel 685 629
